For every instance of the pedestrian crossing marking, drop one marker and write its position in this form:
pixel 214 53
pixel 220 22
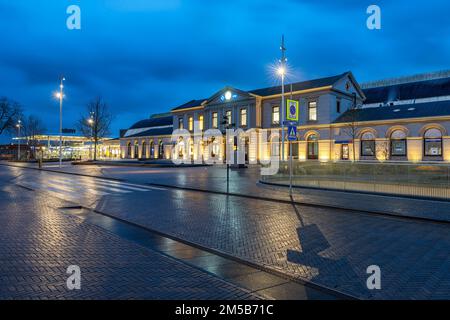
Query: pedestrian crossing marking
pixel 86 186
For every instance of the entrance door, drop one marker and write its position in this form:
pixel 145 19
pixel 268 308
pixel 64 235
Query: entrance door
pixel 313 147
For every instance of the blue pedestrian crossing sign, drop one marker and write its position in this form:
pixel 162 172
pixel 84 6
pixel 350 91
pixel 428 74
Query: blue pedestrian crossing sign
pixel 292 133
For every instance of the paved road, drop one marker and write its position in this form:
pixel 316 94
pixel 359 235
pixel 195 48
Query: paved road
pixel 245 181
pixel 329 247
pixel 39 242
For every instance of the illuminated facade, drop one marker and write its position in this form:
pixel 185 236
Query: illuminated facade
pixel 405 119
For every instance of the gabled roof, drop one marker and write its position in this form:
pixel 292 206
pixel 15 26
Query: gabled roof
pixel 408 91
pixel 298 86
pixel 402 111
pixel 190 104
pixel 304 85
pixel 228 88
pixel 153 122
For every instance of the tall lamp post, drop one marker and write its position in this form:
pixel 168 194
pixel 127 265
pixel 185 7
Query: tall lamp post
pixel 60 96
pixel 282 73
pixel 227 125
pixel 91 123
pixel 18 125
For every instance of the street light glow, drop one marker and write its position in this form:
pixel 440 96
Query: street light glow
pixel 58 95
pixel 228 95
pixel 281 71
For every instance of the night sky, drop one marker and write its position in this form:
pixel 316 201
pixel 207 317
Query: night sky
pixel 146 57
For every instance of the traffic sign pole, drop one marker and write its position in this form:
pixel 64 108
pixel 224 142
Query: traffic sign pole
pixel 290 168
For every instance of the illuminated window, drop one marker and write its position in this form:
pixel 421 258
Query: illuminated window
pixel 275 115
pixel 368 144
pixel 433 143
pixel 398 143
pixel 228 116
pixel 180 123
pixel 191 123
pixel 200 120
pixel 214 120
pixel 243 117
pixel 345 154
pixel 312 111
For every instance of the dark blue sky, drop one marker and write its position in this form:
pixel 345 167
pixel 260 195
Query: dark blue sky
pixel 148 56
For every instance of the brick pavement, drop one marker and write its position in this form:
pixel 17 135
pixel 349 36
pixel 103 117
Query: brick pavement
pixel 328 247
pixel 38 243
pixel 244 181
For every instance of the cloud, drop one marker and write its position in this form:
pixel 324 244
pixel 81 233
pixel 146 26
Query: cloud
pixel 144 57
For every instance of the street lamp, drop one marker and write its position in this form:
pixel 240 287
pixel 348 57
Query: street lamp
pixel 60 95
pixel 91 124
pixel 282 73
pixel 18 125
pixel 226 122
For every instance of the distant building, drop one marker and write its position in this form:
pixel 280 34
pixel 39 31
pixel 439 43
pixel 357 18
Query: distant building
pixel 402 119
pixel 74 147
pixel 10 151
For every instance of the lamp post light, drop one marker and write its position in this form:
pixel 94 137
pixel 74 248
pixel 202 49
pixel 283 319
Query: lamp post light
pixel 226 122
pixel 60 95
pixel 282 72
pixel 91 124
pixel 18 125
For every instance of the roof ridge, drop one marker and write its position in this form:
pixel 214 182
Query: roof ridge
pixel 406 79
pixel 294 83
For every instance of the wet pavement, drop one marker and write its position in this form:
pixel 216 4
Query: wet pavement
pixel 46 231
pixel 329 247
pixel 246 182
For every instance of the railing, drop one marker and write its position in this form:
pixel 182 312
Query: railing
pixel 429 180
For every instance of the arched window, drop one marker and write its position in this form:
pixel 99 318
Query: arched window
pixel 368 144
pixel 152 150
pixel 433 143
pixel 398 143
pixel 144 150
pixel 129 150
pixel 161 150
pixel 136 150
pixel 313 147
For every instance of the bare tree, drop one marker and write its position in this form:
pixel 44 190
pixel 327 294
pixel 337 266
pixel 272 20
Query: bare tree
pixel 32 128
pixel 95 125
pixel 350 119
pixel 10 113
